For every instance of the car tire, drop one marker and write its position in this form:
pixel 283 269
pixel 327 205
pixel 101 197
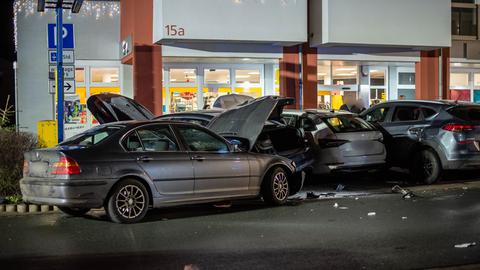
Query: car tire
pixel 426 167
pixel 74 211
pixel 128 202
pixel 275 187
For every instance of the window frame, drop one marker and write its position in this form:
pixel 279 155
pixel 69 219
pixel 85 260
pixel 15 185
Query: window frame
pixel 176 128
pixel 181 147
pixel 385 120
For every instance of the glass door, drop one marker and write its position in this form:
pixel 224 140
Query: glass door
pixel 182 89
pixel 460 86
pixel 217 82
pixel 378 84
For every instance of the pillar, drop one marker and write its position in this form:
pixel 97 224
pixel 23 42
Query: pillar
pixel 136 20
pixel 309 77
pixel 428 75
pixel 446 73
pixel 290 75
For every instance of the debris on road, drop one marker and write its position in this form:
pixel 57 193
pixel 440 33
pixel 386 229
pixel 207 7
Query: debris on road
pixel 340 188
pixel 335 205
pixel 371 214
pixel 312 195
pixel 404 218
pixel 223 205
pixel 466 245
pixel 407 194
pixel 343 208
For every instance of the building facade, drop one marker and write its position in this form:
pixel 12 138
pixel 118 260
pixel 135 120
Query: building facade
pixel 179 55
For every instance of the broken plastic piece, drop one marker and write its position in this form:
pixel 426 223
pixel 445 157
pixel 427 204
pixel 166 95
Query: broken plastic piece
pixel 340 187
pixel 407 194
pixel 404 218
pixel 335 205
pixel 371 214
pixel 312 195
pixel 343 208
pixel 466 245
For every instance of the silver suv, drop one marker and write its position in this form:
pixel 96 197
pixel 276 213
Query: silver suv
pixel 429 136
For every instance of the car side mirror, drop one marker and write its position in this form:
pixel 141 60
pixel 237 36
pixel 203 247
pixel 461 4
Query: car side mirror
pixel 239 144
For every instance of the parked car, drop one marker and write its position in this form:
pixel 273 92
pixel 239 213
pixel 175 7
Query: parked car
pixel 429 136
pixel 259 121
pixel 340 140
pixel 128 167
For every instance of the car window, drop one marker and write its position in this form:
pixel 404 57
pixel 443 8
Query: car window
pixel 377 115
pixel 407 113
pixel 466 113
pixel 199 140
pixel 344 124
pixel 308 124
pixel 290 120
pixel 151 139
pixel 427 112
pixel 92 136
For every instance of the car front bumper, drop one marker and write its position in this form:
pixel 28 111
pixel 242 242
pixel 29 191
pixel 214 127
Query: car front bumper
pixel 68 193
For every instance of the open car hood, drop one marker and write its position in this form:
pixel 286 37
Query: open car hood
pixel 108 108
pixel 247 121
pixel 230 101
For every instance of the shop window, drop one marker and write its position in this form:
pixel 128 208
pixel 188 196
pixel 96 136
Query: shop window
pixel 324 73
pixel 464 20
pixel 476 80
pixel 406 78
pixel 406 94
pixel 217 76
pixel 377 95
pixel 459 80
pixel 377 77
pixel 251 76
pixel 80 75
pixel 105 75
pixel 183 76
pixel 344 74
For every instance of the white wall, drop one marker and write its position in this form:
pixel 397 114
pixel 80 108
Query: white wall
pixel 95 40
pixel 407 23
pixel 277 21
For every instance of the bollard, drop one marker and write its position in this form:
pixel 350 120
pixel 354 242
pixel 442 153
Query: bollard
pixel 55 209
pixel 44 208
pixel 10 208
pixel 21 208
pixel 32 208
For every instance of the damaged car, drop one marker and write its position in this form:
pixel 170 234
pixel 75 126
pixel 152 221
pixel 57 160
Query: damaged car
pixel 130 166
pixel 340 141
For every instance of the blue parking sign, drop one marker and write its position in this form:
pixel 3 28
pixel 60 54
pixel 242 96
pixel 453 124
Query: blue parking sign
pixel 68 36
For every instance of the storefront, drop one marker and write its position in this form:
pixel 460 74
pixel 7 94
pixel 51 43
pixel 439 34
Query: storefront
pixel 465 82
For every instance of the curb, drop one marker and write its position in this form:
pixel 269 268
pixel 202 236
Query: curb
pixel 25 209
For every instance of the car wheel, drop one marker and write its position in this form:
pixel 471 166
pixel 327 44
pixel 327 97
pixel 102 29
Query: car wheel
pixel 128 202
pixel 74 211
pixel 426 167
pixel 275 187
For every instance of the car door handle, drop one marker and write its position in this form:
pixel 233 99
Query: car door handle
pixel 415 130
pixel 198 158
pixel 144 159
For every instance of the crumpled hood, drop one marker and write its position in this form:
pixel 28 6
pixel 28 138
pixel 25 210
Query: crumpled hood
pixel 247 121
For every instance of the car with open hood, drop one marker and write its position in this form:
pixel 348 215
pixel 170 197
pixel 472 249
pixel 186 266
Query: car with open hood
pixel 128 167
pixel 255 125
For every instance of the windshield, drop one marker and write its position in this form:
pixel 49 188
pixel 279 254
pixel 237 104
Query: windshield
pixel 344 123
pixel 92 136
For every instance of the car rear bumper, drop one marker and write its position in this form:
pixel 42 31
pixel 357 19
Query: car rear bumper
pixel 466 163
pixel 69 193
pixel 350 164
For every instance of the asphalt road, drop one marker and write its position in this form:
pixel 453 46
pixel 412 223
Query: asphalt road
pixel 415 233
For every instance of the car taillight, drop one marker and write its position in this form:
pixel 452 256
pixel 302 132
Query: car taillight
pixel 66 166
pixel 458 127
pixel 25 168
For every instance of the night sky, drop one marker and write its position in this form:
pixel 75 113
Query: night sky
pixel 7 52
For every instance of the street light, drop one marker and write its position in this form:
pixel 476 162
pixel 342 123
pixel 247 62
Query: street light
pixel 59 6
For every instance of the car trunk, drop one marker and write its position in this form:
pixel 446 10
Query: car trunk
pixel 40 162
pixel 109 108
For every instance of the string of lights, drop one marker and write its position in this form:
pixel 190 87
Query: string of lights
pixel 98 9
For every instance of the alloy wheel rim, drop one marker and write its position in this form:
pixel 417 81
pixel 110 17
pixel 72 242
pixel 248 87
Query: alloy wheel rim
pixel 280 186
pixel 427 167
pixel 130 201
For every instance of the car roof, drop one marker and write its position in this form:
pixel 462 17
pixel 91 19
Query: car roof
pixel 318 112
pixel 430 102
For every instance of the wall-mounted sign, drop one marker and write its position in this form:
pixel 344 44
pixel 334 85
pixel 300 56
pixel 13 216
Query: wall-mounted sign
pixel 68 36
pixel 272 21
pixel 126 46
